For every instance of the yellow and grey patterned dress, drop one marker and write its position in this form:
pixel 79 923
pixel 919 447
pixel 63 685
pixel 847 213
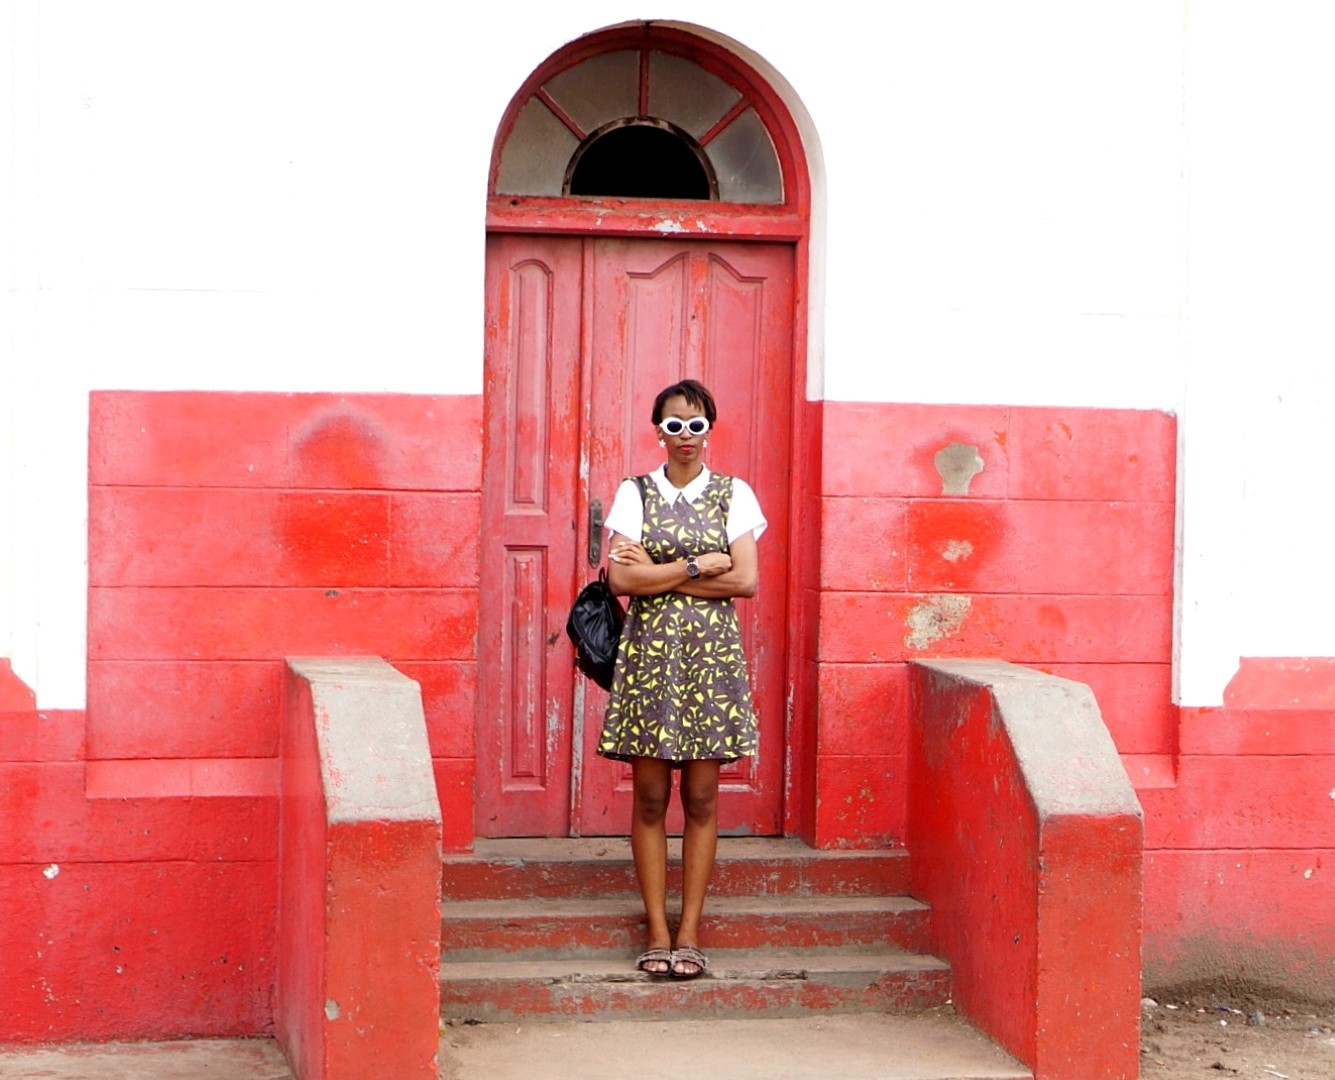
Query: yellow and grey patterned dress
pixel 680 691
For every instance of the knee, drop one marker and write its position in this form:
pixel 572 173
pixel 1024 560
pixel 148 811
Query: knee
pixel 700 804
pixel 651 803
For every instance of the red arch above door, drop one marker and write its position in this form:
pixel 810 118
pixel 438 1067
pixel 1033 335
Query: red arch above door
pixel 528 199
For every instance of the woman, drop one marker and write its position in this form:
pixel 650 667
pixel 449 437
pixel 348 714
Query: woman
pixel 683 544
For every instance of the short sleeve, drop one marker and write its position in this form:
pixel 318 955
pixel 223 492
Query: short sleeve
pixel 744 513
pixel 627 514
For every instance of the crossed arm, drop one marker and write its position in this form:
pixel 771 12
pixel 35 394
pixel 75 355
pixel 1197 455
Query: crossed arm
pixel 736 572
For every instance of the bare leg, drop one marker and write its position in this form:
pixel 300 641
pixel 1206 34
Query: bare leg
pixel 648 844
pixel 699 798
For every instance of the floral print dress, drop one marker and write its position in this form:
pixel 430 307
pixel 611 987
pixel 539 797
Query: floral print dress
pixel 680 691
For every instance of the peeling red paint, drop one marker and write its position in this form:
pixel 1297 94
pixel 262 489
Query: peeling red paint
pixel 15 694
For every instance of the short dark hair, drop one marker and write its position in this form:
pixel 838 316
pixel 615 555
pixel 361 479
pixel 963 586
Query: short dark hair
pixel 694 393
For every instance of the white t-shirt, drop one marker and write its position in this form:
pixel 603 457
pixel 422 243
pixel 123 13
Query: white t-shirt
pixel 627 513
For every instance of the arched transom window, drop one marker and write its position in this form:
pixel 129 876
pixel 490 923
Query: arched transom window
pixel 639 122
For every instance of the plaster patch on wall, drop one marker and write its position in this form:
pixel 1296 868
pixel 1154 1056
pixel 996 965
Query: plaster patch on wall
pixel 957 465
pixel 331 1009
pixel 935 618
pixel 956 550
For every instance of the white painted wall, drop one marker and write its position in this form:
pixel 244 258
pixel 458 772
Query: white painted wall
pixel 1019 186
pixel 1260 339
pixel 1025 203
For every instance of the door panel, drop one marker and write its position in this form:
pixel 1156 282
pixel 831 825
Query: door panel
pixel 530 465
pixel 721 313
pixel 581 335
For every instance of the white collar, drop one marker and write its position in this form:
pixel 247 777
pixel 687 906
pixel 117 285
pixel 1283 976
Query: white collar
pixel 691 491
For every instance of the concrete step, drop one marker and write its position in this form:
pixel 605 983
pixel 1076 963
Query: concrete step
pixel 524 869
pixel 740 983
pixel 475 930
pixel 549 929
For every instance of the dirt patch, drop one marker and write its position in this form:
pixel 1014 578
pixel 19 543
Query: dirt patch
pixel 1232 1029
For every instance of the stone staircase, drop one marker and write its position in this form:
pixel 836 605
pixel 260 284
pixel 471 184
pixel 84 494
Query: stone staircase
pixel 549 930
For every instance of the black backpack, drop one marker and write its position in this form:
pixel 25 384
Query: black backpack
pixel 594 625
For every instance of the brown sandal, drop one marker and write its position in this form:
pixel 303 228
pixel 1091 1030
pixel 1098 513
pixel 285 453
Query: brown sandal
pixel 689 954
pixel 654 956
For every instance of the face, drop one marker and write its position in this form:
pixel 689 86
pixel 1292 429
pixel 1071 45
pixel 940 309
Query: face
pixel 685 447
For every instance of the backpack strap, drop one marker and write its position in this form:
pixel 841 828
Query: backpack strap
pixel 640 482
pixel 725 503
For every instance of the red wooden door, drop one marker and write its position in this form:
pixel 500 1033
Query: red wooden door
pixel 581 335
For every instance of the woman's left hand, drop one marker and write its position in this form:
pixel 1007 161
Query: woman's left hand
pixel 713 563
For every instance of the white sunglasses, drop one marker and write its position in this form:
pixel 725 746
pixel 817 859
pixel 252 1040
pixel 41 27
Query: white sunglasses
pixel 675 426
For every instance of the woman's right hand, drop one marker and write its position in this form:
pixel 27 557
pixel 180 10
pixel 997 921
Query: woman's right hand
pixel 629 554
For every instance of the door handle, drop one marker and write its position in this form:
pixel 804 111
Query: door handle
pixel 595 532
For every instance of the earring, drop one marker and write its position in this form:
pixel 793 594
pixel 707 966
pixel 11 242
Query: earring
pixel 661 442
pixel 706 442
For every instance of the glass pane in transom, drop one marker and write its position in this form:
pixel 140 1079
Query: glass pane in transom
pixel 533 161
pixel 599 90
pixel 683 92
pixel 745 162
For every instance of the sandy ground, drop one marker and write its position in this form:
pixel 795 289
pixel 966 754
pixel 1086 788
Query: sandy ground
pixel 865 1046
pixel 1217 1031
pixel 1187 1034
pixel 192 1059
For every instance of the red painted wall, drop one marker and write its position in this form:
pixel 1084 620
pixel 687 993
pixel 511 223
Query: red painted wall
pixel 227 531
pixel 1240 842
pixel 1060 556
pixel 127 916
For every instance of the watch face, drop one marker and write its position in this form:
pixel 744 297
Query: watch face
pixel 692 569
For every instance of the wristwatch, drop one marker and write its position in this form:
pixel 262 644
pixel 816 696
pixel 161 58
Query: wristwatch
pixel 692 567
